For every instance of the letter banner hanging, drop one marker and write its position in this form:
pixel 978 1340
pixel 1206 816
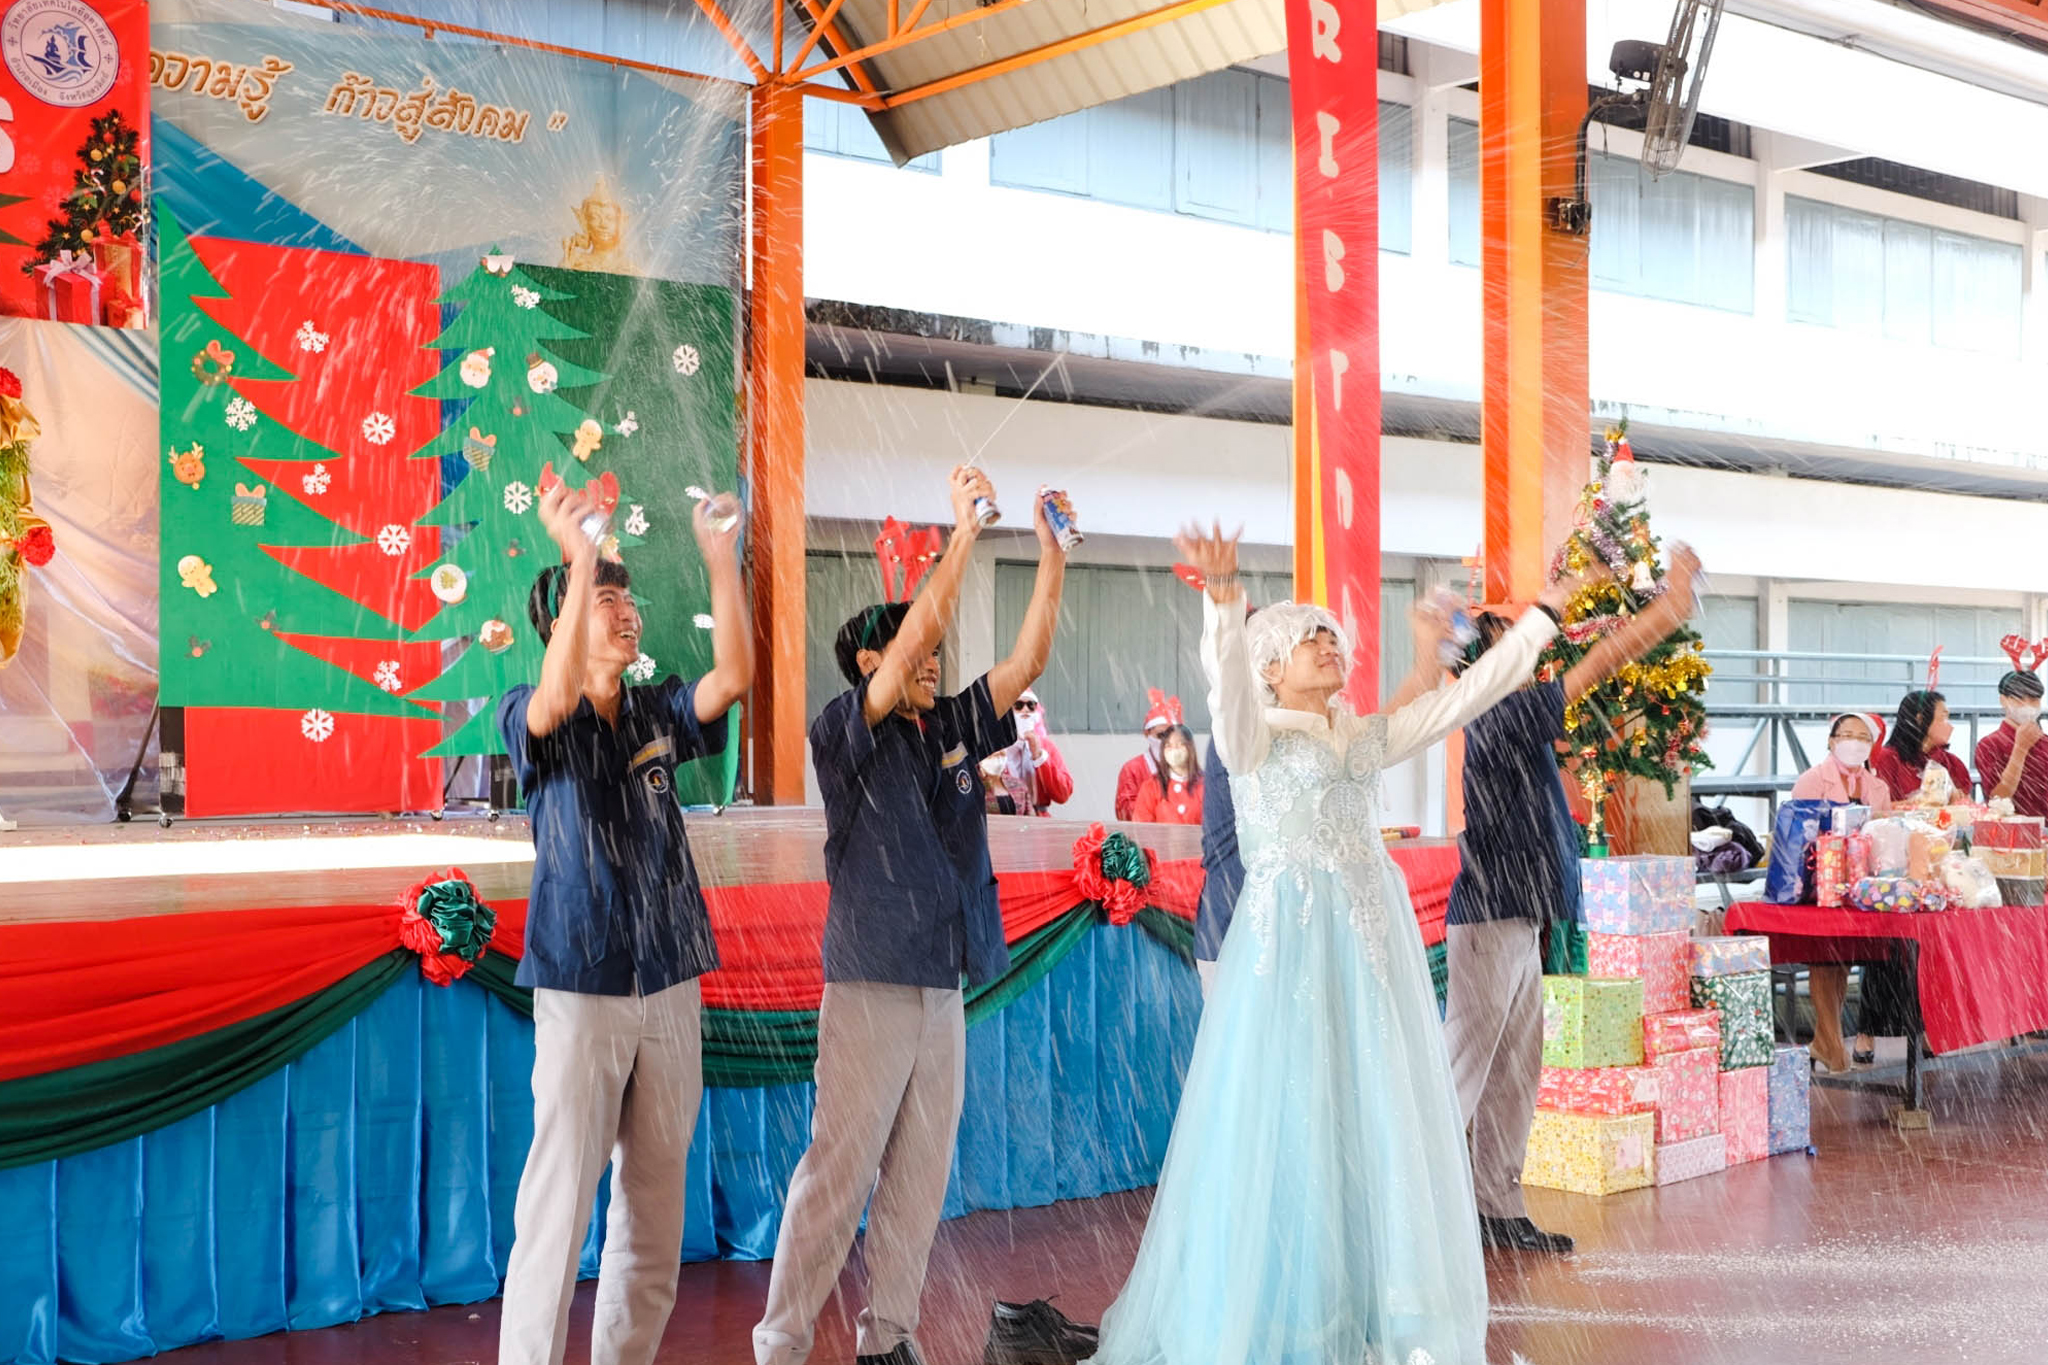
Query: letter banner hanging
pixel 1333 64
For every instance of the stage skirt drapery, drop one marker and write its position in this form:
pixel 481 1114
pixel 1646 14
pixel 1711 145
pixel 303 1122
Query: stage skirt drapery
pixel 376 1169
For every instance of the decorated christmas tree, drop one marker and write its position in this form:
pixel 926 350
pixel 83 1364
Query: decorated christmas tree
pixel 514 434
pixel 1649 720
pixel 106 192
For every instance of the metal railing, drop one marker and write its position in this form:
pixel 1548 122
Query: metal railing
pixel 1790 689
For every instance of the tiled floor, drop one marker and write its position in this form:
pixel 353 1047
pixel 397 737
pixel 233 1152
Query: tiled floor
pixel 1887 1247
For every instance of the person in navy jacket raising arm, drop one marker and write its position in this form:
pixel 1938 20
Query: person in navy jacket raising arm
pixel 913 910
pixel 616 936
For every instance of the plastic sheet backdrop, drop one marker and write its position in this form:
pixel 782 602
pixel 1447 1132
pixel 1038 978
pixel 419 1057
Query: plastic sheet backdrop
pixel 75 702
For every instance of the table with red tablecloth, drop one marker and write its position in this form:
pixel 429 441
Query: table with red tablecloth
pixel 1981 975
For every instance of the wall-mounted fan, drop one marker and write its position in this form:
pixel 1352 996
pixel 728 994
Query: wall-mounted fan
pixel 1668 76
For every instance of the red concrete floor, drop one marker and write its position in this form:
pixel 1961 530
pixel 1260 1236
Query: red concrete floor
pixel 1887 1247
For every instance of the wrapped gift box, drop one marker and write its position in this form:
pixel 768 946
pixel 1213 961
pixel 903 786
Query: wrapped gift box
pixel 1688 1094
pixel 1660 961
pixel 1591 1021
pixel 2014 862
pixel 1744 1004
pixel 1830 870
pixel 1729 955
pixel 1678 1161
pixel 2006 831
pixel 1848 819
pixel 1637 895
pixel 1589 1153
pixel 1598 1090
pixel 1746 1113
pixel 1791 1097
pixel 1681 1031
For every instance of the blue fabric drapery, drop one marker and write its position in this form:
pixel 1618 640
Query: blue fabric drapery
pixel 378 1172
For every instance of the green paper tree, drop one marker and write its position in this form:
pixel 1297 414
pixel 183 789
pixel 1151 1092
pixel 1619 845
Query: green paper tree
pixel 521 427
pixel 1650 720
pixel 106 192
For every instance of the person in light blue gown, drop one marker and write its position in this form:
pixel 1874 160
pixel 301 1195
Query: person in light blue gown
pixel 1316 1203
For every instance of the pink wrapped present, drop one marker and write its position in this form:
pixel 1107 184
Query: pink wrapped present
pixel 1678 1161
pixel 1598 1090
pixel 1659 961
pixel 1689 1094
pixel 1746 1113
pixel 1727 956
pixel 1680 1031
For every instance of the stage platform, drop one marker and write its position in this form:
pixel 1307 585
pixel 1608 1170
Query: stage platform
pixel 121 871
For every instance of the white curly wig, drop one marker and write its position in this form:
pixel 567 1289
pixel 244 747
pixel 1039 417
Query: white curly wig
pixel 1272 635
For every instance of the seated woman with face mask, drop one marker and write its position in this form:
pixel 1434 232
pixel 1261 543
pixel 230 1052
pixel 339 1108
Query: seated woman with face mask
pixel 1845 775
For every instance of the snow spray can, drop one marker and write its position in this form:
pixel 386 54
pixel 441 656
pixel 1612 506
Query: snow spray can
pixel 1059 515
pixel 724 512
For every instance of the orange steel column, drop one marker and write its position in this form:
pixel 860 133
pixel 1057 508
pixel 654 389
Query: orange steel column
pixel 775 443
pixel 1537 409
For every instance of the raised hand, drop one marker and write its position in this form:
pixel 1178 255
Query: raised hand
pixel 1214 555
pixel 1681 581
pixel 714 542
pixel 1431 624
pixel 562 510
pixel 968 485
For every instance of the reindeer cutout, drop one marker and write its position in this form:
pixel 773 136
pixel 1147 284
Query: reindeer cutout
pixel 2026 658
pixel 906 554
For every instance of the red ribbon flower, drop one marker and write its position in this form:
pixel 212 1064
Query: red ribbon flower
pixel 10 384
pixel 37 545
pixel 1113 871
pixel 448 924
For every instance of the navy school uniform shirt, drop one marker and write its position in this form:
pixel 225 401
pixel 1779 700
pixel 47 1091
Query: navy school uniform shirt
pixel 616 906
pixel 1225 873
pixel 1520 848
pixel 913 895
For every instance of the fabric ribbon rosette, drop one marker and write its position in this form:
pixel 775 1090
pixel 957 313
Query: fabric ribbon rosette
pixel 1114 871
pixel 448 924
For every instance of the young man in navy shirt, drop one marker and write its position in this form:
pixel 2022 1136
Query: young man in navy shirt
pixel 1520 874
pixel 913 909
pixel 616 937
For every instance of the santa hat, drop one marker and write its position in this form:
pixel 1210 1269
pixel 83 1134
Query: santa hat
pixel 1164 712
pixel 1869 718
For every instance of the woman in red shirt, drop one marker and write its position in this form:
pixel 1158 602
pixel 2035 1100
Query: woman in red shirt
pixel 1918 741
pixel 1174 796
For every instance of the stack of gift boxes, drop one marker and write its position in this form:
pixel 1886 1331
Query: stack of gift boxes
pixel 1659 1064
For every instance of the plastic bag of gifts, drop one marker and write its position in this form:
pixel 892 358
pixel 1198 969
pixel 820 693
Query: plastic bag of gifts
pixel 1729 954
pixel 1610 1090
pixel 1590 1153
pixel 1970 882
pixel 1899 896
pixel 1688 1094
pixel 1791 1096
pixel 1689 1160
pixel 1891 847
pixel 1744 1003
pixel 1660 961
pixel 1592 1021
pixel 1787 876
pixel 1636 895
pixel 1746 1113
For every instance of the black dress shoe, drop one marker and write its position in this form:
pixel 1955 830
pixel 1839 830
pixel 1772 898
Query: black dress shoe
pixel 1036 1333
pixel 905 1353
pixel 1519 1234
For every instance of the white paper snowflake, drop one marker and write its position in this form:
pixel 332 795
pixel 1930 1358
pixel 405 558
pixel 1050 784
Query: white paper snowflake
pixel 241 414
pixel 317 726
pixel 378 429
pixel 686 359
pixel 387 676
pixel 316 480
pixel 518 497
pixel 636 521
pixel 703 621
pixel 310 338
pixel 524 297
pixel 627 425
pixel 641 669
pixel 394 540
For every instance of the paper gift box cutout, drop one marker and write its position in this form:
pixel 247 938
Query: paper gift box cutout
pixel 1678 1161
pixel 1688 1094
pixel 1744 1004
pixel 1660 961
pixel 1728 955
pixel 1591 1021
pixel 1746 1113
pixel 1589 1153
pixel 248 505
pixel 71 287
pixel 1681 1031
pixel 119 258
pixel 1637 895
pixel 1598 1090
pixel 1791 1100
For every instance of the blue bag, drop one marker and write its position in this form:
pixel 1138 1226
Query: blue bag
pixel 1789 877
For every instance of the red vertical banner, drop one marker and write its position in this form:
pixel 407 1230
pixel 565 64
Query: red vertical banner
pixel 1333 68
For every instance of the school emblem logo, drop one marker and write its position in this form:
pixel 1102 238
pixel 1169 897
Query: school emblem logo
pixel 61 51
pixel 964 780
pixel 657 780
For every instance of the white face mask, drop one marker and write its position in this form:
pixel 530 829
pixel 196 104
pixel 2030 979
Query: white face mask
pixel 2022 716
pixel 1852 753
